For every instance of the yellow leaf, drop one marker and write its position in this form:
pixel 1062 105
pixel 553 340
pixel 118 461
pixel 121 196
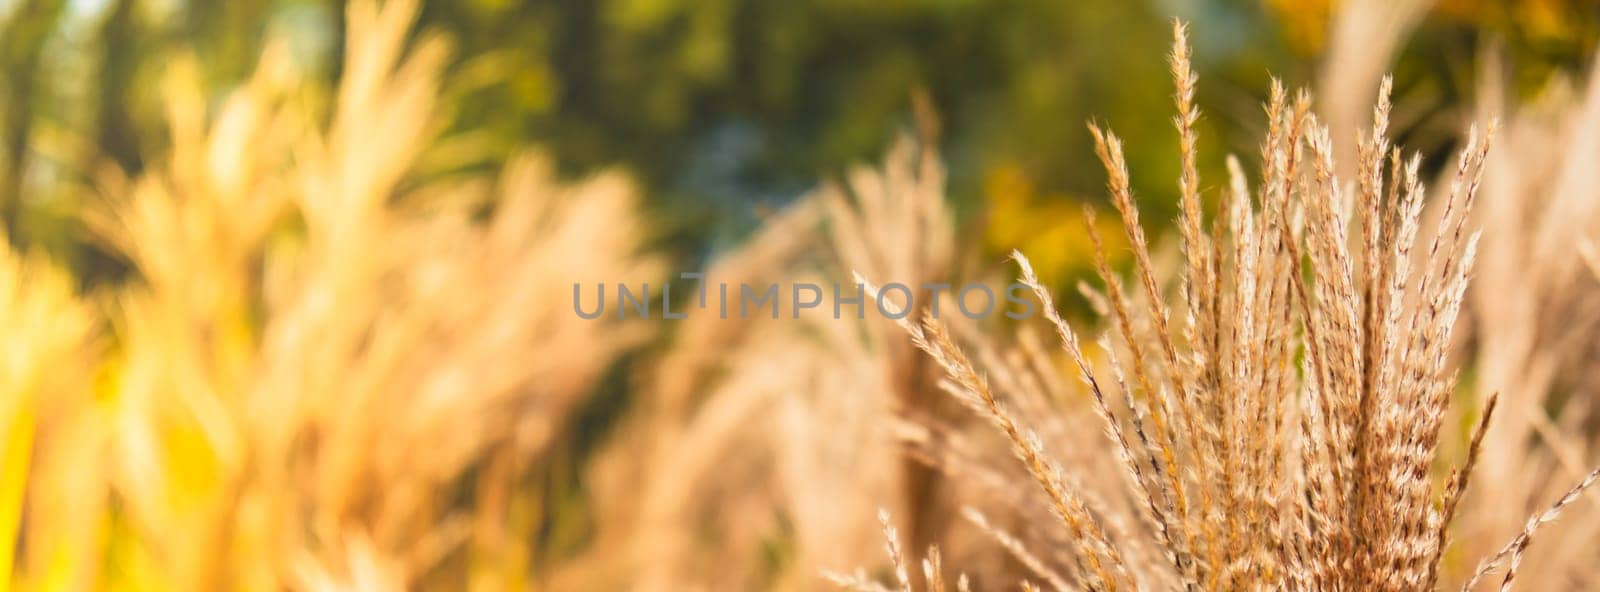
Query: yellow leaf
pixel 14 453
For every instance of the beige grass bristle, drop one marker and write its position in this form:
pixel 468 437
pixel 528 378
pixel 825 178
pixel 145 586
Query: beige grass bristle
pixel 1017 549
pixel 897 558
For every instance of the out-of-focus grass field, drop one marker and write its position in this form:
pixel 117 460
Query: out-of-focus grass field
pixel 284 290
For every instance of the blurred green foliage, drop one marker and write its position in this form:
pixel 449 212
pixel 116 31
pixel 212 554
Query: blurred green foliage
pixel 726 109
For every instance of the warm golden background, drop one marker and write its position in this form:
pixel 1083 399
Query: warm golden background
pixel 285 290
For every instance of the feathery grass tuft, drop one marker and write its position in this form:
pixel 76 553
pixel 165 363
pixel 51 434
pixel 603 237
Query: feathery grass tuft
pixel 1287 411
